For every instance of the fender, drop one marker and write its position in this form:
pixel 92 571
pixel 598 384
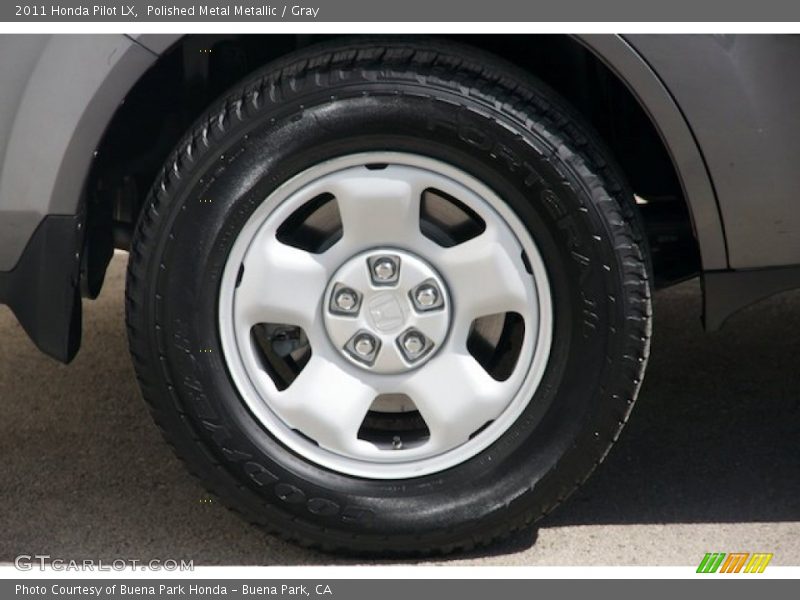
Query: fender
pixel 66 91
pixel 734 138
pixel 629 66
pixel 83 79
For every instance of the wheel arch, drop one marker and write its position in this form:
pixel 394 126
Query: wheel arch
pixel 122 72
pixel 678 140
pixel 94 89
pixel 626 66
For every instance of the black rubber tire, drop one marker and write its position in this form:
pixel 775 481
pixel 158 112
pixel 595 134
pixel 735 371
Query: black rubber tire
pixel 463 107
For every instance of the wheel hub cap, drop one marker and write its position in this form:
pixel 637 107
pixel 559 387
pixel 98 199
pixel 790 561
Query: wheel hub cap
pixel 403 316
pixel 385 315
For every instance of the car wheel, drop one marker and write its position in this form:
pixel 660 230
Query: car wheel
pixel 390 297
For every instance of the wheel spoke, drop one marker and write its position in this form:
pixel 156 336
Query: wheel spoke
pixel 327 404
pixel 456 397
pixel 380 207
pixel 280 284
pixel 486 276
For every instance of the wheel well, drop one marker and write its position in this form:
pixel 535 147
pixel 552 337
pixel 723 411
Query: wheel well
pixel 199 68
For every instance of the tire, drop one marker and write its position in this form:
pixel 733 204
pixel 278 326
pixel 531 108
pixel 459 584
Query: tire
pixel 438 104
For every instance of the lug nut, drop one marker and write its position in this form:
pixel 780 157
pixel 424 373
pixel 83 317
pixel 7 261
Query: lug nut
pixel 427 296
pixel 346 300
pixel 413 344
pixel 384 270
pixel 364 345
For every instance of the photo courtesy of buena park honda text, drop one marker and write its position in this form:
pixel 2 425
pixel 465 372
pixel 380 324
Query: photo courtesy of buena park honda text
pixel 355 299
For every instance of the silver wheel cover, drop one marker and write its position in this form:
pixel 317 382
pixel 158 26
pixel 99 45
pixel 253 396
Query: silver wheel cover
pixel 319 414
